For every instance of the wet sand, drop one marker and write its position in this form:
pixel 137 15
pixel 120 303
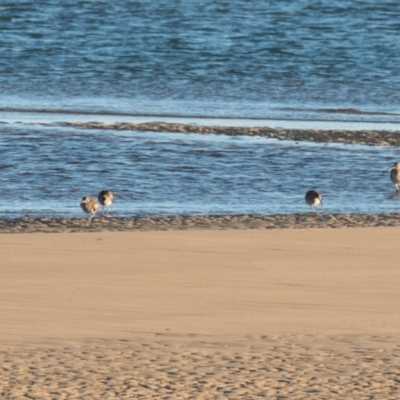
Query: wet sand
pixel 201 314
pixel 200 222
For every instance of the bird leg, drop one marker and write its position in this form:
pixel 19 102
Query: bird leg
pixel 91 217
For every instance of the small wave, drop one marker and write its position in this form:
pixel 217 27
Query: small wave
pixel 345 111
pixel 120 113
pixel 300 114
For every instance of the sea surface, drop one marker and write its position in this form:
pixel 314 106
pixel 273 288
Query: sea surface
pixel 297 64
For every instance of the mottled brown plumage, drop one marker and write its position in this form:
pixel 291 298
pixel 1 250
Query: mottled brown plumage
pixel 89 206
pixel 106 198
pixel 395 174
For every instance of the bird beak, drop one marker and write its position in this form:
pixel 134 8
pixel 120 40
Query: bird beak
pixel 389 169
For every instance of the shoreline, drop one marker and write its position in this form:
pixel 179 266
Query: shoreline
pixel 362 137
pixel 311 220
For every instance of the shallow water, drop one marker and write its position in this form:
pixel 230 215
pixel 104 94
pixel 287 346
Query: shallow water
pixel 46 171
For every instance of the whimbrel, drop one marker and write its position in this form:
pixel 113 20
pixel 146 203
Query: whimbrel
pixel 395 174
pixel 90 206
pixel 105 197
pixel 313 198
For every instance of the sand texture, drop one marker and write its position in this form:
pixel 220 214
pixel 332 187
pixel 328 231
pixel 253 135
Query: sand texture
pixel 274 367
pixel 200 314
pixel 101 223
pixel 370 137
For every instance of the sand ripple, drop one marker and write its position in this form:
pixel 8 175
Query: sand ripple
pixel 273 367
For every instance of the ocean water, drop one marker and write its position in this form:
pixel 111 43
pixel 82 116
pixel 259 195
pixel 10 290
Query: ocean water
pixel 232 58
pixel 288 63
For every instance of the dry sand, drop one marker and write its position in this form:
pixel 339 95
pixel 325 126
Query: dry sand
pixel 201 314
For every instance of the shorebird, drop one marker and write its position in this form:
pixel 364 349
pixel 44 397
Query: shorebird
pixel 313 198
pixel 395 174
pixel 106 197
pixel 90 206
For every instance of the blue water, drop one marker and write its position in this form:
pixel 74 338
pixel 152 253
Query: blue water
pixel 234 58
pixel 294 64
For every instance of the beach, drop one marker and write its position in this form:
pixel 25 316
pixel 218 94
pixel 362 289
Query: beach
pixel 300 305
pixel 200 314
pixel 203 305
pixel 209 276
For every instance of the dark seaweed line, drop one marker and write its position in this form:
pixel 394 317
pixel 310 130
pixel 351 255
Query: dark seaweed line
pixel 375 138
pixel 215 222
